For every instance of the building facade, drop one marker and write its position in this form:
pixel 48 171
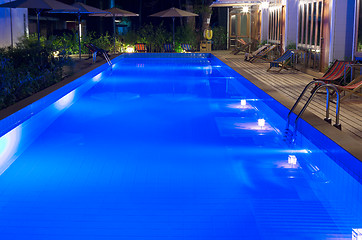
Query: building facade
pixel 326 29
pixel 14 25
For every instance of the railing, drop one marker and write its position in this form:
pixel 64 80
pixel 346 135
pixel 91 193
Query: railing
pixel 319 85
pixel 308 59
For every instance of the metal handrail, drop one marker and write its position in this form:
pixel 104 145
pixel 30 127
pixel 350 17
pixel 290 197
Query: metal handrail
pixel 300 97
pixel 314 92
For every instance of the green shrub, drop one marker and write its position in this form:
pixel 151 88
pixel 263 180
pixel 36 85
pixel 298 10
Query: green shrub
pixel 28 68
pixel 219 38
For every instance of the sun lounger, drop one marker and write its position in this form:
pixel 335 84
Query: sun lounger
pixel 262 55
pixel 241 46
pixel 140 47
pixel 353 88
pixel 282 62
pixel 168 48
pixel 336 72
pixel 187 48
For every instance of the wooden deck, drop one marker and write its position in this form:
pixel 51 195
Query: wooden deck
pixel 290 83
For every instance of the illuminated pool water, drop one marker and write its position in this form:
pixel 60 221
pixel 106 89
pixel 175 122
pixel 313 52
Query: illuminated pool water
pixel 168 147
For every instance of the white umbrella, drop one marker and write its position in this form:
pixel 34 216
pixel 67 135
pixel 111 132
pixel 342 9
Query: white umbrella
pixel 114 12
pixel 174 12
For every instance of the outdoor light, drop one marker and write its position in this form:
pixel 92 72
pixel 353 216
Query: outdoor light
pixel 292 159
pixel 264 5
pixel 261 122
pixel 80 30
pixel 56 54
pixel 242 102
pixel 129 49
pixel 245 9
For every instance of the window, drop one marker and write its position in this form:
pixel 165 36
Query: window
pixel 310 24
pixel 233 25
pixel 275 15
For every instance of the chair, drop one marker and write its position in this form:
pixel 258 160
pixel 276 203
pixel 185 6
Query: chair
pixel 140 47
pixel 97 51
pixel 282 62
pixel 187 48
pixel 336 72
pixel 168 47
pixel 241 46
pixel 351 88
pixel 262 55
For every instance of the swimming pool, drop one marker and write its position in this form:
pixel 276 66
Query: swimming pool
pixel 170 147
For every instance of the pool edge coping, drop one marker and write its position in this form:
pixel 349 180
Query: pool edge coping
pixel 6 112
pixel 344 140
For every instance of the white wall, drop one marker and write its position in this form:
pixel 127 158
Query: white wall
pixel 264 25
pixel 338 28
pixel 291 22
pixel 16 23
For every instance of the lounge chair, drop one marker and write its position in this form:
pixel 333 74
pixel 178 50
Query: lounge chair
pixel 241 46
pixel 336 72
pixel 262 55
pixel 140 47
pixel 96 51
pixel 168 47
pixel 248 56
pixel 282 62
pixel 187 48
pixel 351 88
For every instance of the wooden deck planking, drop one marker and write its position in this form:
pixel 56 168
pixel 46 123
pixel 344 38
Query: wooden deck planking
pixel 292 82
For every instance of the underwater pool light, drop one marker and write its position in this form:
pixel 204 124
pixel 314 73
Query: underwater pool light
pixel 292 159
pixel 261 122
pixel 242 102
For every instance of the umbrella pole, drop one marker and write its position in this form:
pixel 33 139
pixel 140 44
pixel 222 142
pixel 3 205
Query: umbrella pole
pixel 11 29
pixel 79 31
pixel 173 31
pixel 114 33
pixel 38 25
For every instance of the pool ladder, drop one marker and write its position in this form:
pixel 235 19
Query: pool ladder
pixel 289 135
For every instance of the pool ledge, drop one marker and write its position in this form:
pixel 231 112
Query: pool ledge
pixel 344 140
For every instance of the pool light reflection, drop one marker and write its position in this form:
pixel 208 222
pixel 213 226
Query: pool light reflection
pixel 97 78
pixel 8 147
pixel 65 101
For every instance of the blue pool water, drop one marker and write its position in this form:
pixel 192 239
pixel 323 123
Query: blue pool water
pixel 167 148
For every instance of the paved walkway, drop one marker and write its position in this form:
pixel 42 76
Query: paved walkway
pixel 291 83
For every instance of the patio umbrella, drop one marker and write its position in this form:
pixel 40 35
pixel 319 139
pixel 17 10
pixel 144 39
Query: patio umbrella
pixel 114 12
pixel 38 5
pixel 174 12
pixel 80 8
